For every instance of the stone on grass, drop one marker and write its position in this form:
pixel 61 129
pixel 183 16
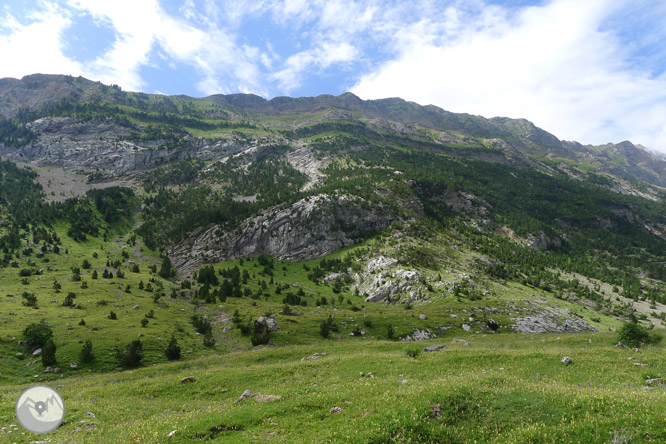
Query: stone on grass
pixel 188 379
pixel 435 410
pixel 73 366
pixel 270 322
pixel 37 352
pixel 655 382
pixel 423 317
pixel 566 360
pixel 247 394
pixel 89 415
pixel 466 327
pixel 267 398
pixel 434 348
pixel 171 433
pixel 335 410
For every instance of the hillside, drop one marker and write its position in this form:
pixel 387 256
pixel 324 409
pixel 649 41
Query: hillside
pixel 241 227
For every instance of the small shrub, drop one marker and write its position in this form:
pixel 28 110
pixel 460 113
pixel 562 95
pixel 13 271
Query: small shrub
pixel 172 351
pixel 634 335
pixel 208 340
pixel 144 322
pixel 113 316
pixel 327 326
pixel 82 322
pixel 413 352
pixel 29 299
pixel 150 314
pixel 49 353
pixel 260 334
pixel 69 300
pixel 36 335
pixel 390 332
pixel 86 355
pixel 202 325
pixel 493 324
pixel 131 356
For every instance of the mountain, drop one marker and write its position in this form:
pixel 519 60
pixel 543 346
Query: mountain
pixel 383 201
pixel 294 244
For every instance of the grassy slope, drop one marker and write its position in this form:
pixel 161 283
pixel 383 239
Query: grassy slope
pixel 500 389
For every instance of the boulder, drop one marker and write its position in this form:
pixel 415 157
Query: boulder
pixel 434 348
pixel 37 352
pixel 247 394
pixel 270 322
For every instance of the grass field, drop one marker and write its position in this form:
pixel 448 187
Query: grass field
pixel 502 388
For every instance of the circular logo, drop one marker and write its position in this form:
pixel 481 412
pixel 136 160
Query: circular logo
pixel 40 409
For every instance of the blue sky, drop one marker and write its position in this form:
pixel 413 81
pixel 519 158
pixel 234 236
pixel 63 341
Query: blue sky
pixel 586 70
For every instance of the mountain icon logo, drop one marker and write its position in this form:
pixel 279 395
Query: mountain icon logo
pixel 40 409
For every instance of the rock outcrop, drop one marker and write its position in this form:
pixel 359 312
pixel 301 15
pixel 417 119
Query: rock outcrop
pixel 105 146
pixel 310 228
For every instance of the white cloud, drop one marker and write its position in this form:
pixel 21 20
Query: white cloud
pixel 322 57
pixel 36 47
pixel 550 64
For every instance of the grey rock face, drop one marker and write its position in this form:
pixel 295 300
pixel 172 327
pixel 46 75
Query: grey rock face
pixel 419 335
pixel 88 147
pixel 390 286
pixel 547 321
pixel 308 229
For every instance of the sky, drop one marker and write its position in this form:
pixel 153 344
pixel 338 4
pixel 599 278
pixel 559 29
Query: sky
pixel 587 70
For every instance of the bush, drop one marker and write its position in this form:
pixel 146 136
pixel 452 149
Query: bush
pixel 113 316
pixel 69 300
pixel 634 335
pixel 86 354
pixel 260 334
pixel 144 322
pixel 202 325
pixel 172 351
pixel 493 324
pixel 327 326
pixel 413 352
pixel 36 335
pixel 131 356
pixel 49 353
pixel 82 322
pixel 208 340
pixel 390 332
pixel 29 299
